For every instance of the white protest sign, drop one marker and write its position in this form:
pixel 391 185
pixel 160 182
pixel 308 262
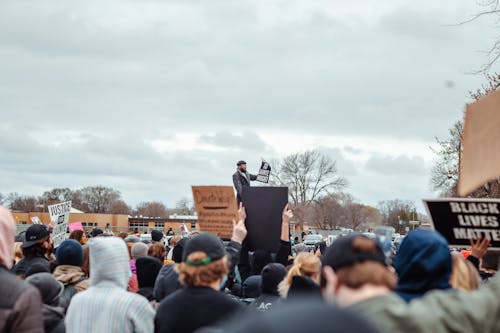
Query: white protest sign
pixel 264 172
pixel 59 216
pixel 36 220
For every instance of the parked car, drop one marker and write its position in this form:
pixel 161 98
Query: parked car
pixel 311 240
pixel 146 238
pixel 330 239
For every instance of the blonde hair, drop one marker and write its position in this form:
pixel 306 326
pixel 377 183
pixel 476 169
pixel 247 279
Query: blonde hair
pixel 202 275
pixel 18 252
pixel 305 264
pixel 464 275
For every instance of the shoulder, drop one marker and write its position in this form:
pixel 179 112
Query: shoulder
pixel 12 287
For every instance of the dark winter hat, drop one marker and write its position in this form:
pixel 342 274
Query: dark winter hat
pixel 178 249
pixel 50 289
pixel 241 162
pixel 272 275
pixel 96 232
pixel 156 235
pixel 70 252
pixel 252 286
pixel 208 243
pixel 147 271
pixel 343 253
pixel 35 234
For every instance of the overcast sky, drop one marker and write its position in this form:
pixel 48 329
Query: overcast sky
pixel 150 97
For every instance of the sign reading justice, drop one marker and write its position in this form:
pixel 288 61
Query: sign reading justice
pixel 216 208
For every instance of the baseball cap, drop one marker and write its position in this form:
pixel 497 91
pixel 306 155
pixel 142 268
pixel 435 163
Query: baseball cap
pixel 35 234
pixel 241 162
pixel 207 243
pixel 344 252
pixel 96 232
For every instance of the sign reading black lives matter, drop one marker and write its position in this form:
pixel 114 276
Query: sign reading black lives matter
pixel 264 172
pixel 59 216
pixel 459 220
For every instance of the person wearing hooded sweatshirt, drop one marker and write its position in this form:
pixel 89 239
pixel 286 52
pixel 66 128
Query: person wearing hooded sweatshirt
pixel 20 302
pixel 272 274
pixel 51 290
pixel 423 263
pixel 69 271
pixel 107 306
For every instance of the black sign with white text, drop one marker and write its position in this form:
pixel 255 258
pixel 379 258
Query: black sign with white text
pixel 459 219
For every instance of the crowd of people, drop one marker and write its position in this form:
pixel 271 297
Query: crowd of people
pixel 200 283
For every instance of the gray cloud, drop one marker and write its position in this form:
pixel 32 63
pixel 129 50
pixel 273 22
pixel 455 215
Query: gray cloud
pixel 245 141
pixel 106 78
pixel 397 165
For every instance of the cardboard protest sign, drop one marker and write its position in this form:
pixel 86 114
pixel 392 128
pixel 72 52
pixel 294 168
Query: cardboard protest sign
pixel 264 172
pixel 480 160
pixel 36 220
pixel 216 207
pixel 459 220
pixel 59 216
pixel 264 207
pixel 75 226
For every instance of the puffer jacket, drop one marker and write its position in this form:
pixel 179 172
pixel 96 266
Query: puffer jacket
pixel 20 305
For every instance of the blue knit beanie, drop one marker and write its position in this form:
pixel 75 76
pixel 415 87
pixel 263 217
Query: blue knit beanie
pixel 70 252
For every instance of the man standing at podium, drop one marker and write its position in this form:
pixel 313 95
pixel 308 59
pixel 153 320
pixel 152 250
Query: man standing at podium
pixel 242 178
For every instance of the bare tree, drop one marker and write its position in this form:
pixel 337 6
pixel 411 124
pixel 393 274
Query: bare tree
pixel 120 207
pixel 23 203
pixel 490 8
pixel 95 199
pixel 395 212
pixel 444 175
pixel 184 206
pixel 309 176
pixel 445 172
pixel 327 213
pixel 2 199
pixel 151 209
pixel 54 196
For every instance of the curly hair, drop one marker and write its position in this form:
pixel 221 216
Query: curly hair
pixel 157 250
pixel 203 275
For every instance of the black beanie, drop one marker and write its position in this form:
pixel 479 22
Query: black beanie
pixel 178 249
pixel 272 275
pixel 147 271
pixel 70 252
pixel 156 235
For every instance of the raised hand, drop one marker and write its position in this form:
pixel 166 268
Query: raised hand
pixel 479 247
pixel 239 231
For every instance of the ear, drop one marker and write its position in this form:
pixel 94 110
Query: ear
pixel 331 283
pixel 330 276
